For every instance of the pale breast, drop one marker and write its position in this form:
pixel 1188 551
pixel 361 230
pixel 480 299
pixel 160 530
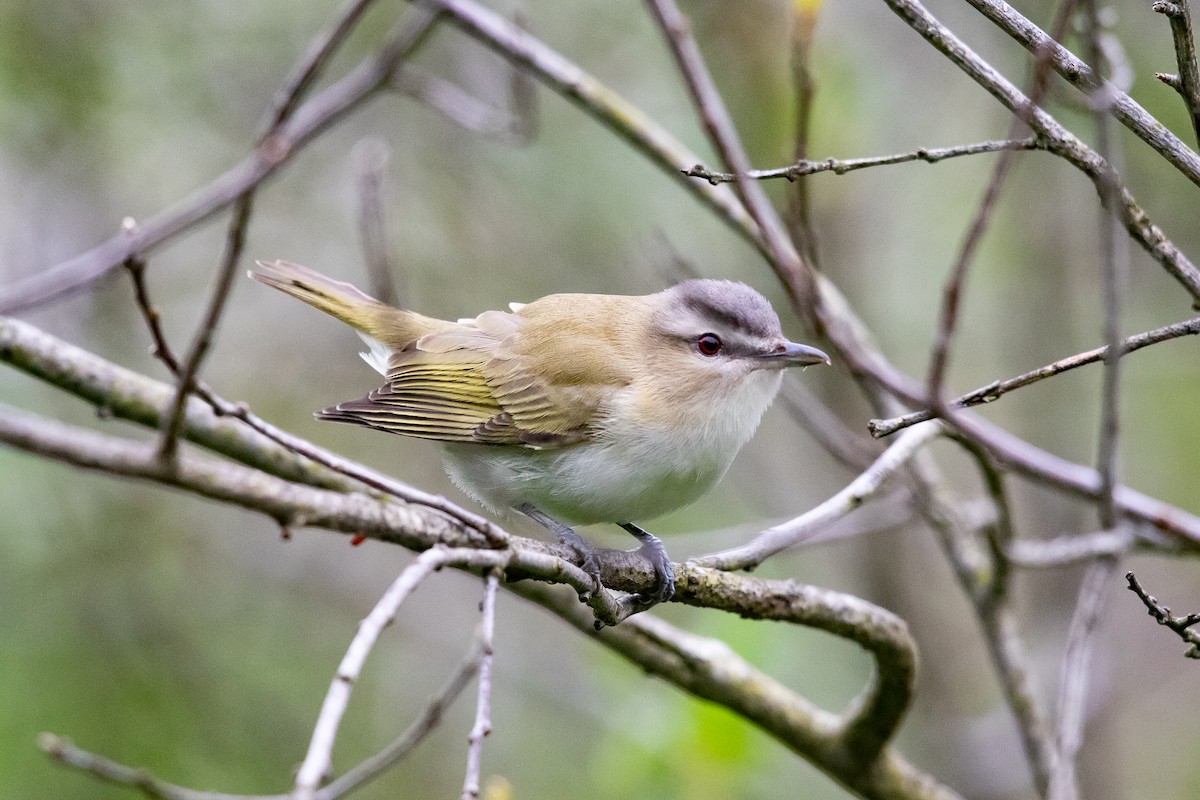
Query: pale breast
pixel 630 472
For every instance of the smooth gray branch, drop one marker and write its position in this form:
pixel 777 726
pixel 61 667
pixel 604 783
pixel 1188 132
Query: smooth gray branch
pixel 1074 675
pixel 866 485
pixel 318 761
pixel 483 702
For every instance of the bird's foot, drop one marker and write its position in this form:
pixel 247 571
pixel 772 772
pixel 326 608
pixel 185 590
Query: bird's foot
pixel 664 573
pixel 584 554
pixel 587 560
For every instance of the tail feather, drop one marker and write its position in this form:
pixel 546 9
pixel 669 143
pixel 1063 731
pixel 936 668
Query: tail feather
pixel 391 327
pixel 336 298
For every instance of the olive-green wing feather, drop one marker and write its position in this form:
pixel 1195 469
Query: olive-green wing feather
pixel 468 385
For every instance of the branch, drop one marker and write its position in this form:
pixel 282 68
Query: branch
pixel 930 155
pixel 1187 81
pixel 371 156
pixel 306 124
pixel 1063 551
pixel 710 670
pixel 202 341
pixel 870 724
pixel 223 427
pixel 403 744
pixel 953 288
pixel 722 135
pixel 985 584
pixel 483 704
pixel 866 485
pixel 1082 77
pixel 318 762
pixel 1059 140
pixel 1073 676
pixel 996 389
pixel 65 752
pixel 1181 625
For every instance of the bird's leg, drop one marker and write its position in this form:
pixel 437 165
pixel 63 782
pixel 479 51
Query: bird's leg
pixel 566 535
pixel 664 574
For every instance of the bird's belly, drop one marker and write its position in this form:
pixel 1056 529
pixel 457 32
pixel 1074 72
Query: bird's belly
pixel 588 483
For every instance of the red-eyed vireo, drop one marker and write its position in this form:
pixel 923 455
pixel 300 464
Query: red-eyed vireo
pixel 575 408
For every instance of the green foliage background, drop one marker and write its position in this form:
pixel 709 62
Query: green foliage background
pixel 188 638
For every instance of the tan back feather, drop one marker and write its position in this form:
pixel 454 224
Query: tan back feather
pixel 537 377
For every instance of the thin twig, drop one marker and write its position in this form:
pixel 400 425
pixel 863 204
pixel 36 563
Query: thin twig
pixel 305 74
pixel 991 599
pixel 798 212
pixel 785 535
pixel 930 155
pixel 316 765
pixel 316 57
pixel 1114 258
pixel 310 120
pixel 412 736
pixel 371 157
pixel 1061 141
pixel 65 752
pixel 994 390
pixel 723 136
pixel 185 379
pixel 1181 625
pixel 953 288
pixel 1076 662
pixel 161 350
pixel 483 703
pixel 1081 76
pixel 352 469
pixel 1074 675
pixel 1187 80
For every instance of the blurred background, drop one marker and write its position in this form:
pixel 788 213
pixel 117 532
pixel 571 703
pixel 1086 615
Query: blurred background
pixel 187 637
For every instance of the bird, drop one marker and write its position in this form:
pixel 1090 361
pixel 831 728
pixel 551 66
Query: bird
pixel 572 409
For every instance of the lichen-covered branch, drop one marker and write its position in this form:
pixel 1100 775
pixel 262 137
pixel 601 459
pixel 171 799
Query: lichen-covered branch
pixel 863 732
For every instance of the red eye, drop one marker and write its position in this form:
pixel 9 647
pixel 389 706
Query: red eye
pixel 709 344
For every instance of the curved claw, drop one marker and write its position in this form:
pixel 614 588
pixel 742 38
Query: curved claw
pixel 584 554
pixel 664 573
pixel 589 564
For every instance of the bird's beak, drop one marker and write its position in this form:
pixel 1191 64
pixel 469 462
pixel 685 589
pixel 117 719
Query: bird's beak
pixel 791 354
